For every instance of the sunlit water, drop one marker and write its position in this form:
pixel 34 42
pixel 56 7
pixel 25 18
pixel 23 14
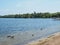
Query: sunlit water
pixel 22 29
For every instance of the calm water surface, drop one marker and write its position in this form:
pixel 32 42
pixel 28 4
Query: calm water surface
pixel 24 28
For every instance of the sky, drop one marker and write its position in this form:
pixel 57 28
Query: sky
pixel 28 6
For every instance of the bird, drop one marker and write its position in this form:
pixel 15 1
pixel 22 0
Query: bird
pixel 9 36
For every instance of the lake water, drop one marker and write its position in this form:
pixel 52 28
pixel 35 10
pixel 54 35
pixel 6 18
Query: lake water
pixel 23 29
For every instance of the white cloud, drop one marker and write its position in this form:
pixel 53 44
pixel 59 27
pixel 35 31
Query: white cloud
pixel 28 6
pixel 4 11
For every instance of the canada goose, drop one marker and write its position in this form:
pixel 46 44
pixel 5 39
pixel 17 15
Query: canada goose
pixel 41 29
pixel 10 36
pixel 32 34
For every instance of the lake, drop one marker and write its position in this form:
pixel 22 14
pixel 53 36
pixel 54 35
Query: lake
pixel 23 28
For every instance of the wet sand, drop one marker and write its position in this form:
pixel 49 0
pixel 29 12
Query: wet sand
pixel 54 39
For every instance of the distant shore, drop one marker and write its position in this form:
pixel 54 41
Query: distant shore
pixel 53 39
pixel 33 15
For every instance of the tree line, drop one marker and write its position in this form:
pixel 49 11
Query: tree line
pixel 33 15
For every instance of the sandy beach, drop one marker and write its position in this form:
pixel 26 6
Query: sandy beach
pixel 54 39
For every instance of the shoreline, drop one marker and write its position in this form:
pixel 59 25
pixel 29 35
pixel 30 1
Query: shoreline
pixel 53 39
pixel 26 38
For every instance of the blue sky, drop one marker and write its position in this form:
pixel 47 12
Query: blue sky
pixel 28 6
